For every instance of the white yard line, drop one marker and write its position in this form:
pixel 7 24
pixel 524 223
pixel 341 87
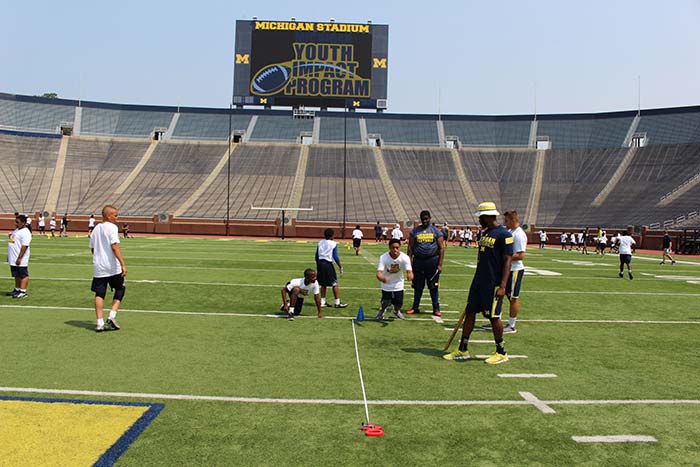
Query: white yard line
pixel 540 405
pixel 275 315
pixel 526 375
pixel 615 439
pixel 262 400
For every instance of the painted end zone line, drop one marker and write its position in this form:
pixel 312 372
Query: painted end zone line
pixel 615 439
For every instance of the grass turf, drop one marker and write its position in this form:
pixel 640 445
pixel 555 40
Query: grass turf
pixel 47 341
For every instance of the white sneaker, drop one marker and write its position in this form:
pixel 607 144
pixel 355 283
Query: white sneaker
pixel 380 315
pixel 398 314
pixel 509 329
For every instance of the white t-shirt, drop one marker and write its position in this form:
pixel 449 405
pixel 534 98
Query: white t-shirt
pixel 325 249
pixel 91 222
pixel 564 237
pixel 52 223
pixel 626 242
pixel 18 239
pixel 580 237
pixel 304 289
pixel 603 239
pixel 385 230
pixel 393 269
pixel 397 233
pixel 357 233
pixel 543 236
pixel 519 244
pixel 104 263
pixel 41 221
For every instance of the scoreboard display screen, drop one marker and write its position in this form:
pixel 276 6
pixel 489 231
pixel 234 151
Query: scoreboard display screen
pixel 296 63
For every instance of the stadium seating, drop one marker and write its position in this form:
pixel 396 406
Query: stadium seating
pixel 489 133
pixel 365 198
pixel 26 169
pixel 114 160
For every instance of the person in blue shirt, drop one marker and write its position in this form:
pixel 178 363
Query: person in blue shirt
pixel 426 248
pixel 489 283
pixel 326 254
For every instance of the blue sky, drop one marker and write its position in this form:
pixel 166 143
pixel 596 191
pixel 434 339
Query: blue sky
pixel 480 57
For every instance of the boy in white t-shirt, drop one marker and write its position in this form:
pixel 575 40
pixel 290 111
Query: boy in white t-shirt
pixel 625 249
pixel 357 239
pixel 294 292
pixel 390 273
pixel 108 267
pixel 517 268
pixel 18 256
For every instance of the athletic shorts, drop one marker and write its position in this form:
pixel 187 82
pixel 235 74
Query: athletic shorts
pixel 356 242
pixel 425 269
pixel 326 274
pixel 300 300
pixel 625 259
pixel 19 271
pixel 42 228
pixel 667 251
pixel 99 284
pixel 514 280
pixel 394 298
pixel 483 300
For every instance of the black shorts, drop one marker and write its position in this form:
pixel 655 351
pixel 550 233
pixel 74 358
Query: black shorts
pixel 99 284
pixel 42 228
pixel 19 271
pixel 377 235
pixel 393 298
pixel 625 259
pixel 483 300
pixel 356 242
pixel 326 274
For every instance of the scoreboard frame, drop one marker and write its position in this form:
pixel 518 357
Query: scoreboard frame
pixel 310 64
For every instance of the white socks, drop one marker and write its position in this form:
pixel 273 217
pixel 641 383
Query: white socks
pixel 511 322
pixel 112 314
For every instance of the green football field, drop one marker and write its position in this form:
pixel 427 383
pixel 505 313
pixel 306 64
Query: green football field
pixel 594 356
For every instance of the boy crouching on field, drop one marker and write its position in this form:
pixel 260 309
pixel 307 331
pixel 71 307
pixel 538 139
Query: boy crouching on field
pixel 295 290
pixel 390 270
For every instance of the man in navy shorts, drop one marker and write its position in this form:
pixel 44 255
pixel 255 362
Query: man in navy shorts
pixel 489 284
pixel 426 248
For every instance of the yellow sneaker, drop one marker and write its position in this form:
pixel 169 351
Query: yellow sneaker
pixel 457 355
pixel 497 358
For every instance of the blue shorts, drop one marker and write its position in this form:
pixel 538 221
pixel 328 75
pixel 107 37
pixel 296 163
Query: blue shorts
pixel 625 259
pixel 326 274
pixel 483 300
pixel 514 280
pixel 19 272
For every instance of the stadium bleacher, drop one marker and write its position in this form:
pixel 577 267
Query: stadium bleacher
pixel 497 159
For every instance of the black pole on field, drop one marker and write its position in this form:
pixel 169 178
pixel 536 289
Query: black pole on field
pixel 345 167
pixel 228 168
pixel 282 224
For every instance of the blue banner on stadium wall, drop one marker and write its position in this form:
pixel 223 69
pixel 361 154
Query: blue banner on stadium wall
pixel 297 63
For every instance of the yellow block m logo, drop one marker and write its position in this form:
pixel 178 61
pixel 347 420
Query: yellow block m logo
pixel 244 59
pixel 379 63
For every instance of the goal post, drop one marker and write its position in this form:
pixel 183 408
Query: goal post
pixel 283 210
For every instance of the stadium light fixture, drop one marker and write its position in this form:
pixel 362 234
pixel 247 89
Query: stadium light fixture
pixel 332 20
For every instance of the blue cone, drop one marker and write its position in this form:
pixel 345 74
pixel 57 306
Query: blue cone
pixel 360 314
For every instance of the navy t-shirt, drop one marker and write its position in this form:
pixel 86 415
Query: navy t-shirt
pixel 667 241
pixel 493 244
pixel 425 241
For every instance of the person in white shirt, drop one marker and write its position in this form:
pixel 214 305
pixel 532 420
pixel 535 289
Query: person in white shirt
pixel 385 232
pixel 356 239
pixel 563 241
pixel 602 242
pixel 18 256
pixel 42 224
pixel 294 292
pixel 397 233
pixel 108 267
pixel 625 244
pixel 326 254
pixel 390 269
pixel 517 268
pixel 91 224
pixel 52 227
pixel 543 238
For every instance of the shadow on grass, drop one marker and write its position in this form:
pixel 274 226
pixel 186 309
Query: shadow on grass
pixel 88 325
pixel 426 351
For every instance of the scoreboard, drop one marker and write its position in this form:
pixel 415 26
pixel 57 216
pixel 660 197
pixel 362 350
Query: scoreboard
pixel 297 63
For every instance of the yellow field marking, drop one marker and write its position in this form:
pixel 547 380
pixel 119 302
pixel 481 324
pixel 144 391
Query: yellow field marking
pixel 301 241
pixel 60 433
pixel 262 241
